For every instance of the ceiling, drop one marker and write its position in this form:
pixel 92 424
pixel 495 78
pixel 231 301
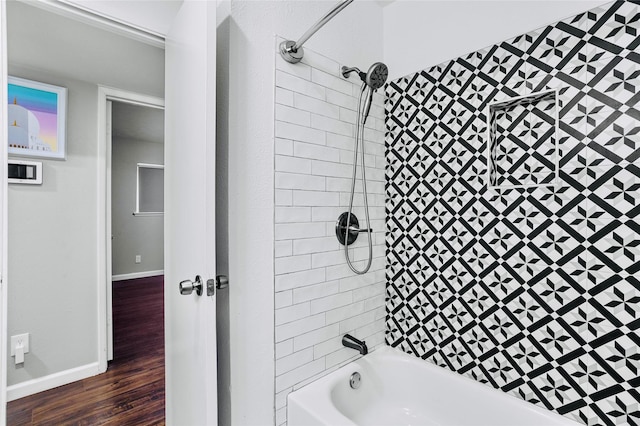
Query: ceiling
pixel 137 122
pixel 154 16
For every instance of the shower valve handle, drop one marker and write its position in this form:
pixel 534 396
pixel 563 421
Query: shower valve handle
pixel 358 230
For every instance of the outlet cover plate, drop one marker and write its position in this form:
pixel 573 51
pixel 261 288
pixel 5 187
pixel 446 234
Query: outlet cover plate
pixel 17 338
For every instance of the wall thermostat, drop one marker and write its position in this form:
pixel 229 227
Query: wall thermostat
pixel 29 172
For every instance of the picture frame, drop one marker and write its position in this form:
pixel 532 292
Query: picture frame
pixel 37 114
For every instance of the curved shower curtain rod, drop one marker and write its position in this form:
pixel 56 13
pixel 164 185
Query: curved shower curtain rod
pixel 292 51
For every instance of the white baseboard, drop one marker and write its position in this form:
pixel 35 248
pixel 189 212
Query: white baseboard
pixel 135 275
pixel 51 381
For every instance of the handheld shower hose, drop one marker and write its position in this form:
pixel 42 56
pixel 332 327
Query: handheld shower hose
pixel 371 81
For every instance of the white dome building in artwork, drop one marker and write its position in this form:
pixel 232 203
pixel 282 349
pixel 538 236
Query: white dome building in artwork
pixel 24 129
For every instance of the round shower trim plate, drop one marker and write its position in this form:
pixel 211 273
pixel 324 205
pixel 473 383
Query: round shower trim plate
pixel 290 55
pixel 341 223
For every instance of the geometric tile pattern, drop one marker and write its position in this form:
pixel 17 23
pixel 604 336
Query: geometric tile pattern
pixel 532 290
pixel 522 141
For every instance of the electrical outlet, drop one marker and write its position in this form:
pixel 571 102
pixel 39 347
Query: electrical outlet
pixel 138 258
pixel 18 340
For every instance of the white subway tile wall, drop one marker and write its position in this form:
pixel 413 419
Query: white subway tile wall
pixel 318 299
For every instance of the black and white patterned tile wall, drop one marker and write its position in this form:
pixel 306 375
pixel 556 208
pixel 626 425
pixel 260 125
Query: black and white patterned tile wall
pixel 533 285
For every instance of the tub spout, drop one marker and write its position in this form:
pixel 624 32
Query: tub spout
pixel 351 342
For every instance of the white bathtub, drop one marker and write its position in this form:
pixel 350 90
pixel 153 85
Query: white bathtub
pixel 399 389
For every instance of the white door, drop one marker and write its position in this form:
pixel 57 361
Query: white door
pixel 190 320
pixel 3 214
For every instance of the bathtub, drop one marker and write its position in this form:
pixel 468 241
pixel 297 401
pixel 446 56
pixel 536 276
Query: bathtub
pixel 398 389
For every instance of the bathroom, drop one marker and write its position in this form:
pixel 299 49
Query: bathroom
pixel 287 277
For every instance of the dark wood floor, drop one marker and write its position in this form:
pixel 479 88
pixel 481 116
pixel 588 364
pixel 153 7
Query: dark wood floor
pixel 131 392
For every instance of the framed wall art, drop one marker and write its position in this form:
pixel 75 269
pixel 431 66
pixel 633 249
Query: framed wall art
pixel 37 116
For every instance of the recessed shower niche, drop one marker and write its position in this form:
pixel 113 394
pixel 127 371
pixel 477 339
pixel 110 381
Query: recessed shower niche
pixel 523 143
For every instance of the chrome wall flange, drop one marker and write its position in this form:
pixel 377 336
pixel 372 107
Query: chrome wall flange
pixel 289 54
pixel 355 380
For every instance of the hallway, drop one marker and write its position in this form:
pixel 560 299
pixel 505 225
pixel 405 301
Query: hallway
pixel 132 389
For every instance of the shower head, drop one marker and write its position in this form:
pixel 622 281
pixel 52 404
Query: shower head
pixel 375 77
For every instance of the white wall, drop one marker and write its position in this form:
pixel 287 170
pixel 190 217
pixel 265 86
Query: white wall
pixel 52 271
pixel 251 28
pixel 49 234
pixel 419 34
pixel 134 235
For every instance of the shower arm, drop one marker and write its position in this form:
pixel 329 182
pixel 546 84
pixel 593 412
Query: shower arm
pixel 292 51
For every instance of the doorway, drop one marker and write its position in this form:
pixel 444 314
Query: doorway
pixel 132 390
pixel 61 223
pixel 135 210
pixel 191 107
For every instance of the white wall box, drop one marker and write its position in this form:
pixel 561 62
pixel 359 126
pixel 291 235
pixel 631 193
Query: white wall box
pixel 29 172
